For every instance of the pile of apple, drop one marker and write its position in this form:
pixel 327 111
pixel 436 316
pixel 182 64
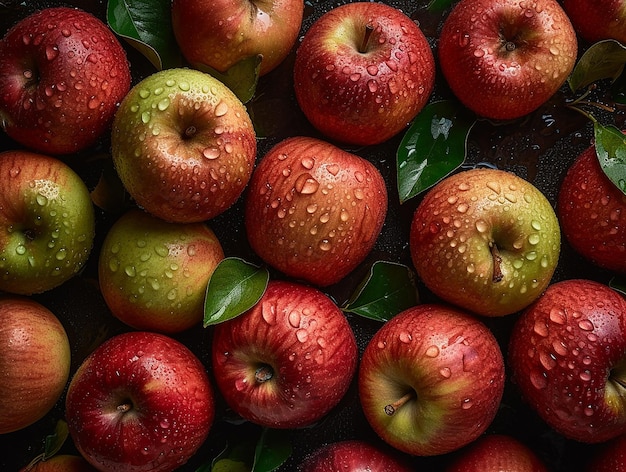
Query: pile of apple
pixel 181 239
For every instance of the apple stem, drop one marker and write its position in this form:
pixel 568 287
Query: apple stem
pixel 510 46
pixel 190 131
pixel 497 264
pixel 263 374
pixel 393 407
pixel 366 39
pixel 124 407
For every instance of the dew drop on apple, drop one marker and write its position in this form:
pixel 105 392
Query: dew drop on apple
pixel 445 372
pixel 538 379
pixel 540 328
pixel 20 249
pixel 432 351
pixel 467 404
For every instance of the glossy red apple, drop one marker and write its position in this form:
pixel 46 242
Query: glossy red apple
pixel 62 75
pixel 313 210
pixel 592 213
pixel 598 20
pixel 287 361
pixel 34 362
pixel 505 58
pixel 609 457
pixel 60 463
pixel 141 401
pixel 431 380
pixel 567 355
pixel 363 71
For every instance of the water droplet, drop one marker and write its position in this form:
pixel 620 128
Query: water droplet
pixel 432 351
pixel 306 185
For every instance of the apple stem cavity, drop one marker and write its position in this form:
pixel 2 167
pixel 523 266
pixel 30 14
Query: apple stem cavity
pixel 497 264
pixel 264 374
pixel 393 407
pixel 190 132
pixel 510 46
pixel 366 39
pixel 124 407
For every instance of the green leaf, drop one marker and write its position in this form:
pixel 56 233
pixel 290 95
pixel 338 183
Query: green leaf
pixel 439 5
pixel 242 78
pixel 272 450
pixel 433 146
pixel 230 465
pixel 55 441
pixel 147 26
pixel 610 145
pixel 234 287
pixel 618 284
pixel 603 60
pixel 389 289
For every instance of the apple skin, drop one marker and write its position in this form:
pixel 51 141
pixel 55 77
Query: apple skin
pixel 567 354
pixel 141 401
pixel 610 456
pixel 431 380
pixel 221 33
pixel 62 76
pixel 60 463
pixel 313 210
pixel 592 213
pixel 517 54
pixel 153 274
pixel 286 362
pixel 485 240
pixel 34 362
pixel 47 222
pixel 352 455
pixel 183 145
pixel 595 21
pixel 363 94
pixel 496 453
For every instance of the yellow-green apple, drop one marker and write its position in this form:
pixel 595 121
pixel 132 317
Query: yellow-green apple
pixel 597 20
pixel 486 240
pixel 60 463
pixel 313 210
pixel 592 213
pixel 221 33
pixel 141 401
pixel 287 361
pixel 609 457
pixel 362 72
pixel 62 75
pixel 34 362
pixel 47 222
pixel 496 453
pixel 183 145
pixel 431 380
pixel 503 59
pixel 153 274
pixel 567 354
pixel 353 455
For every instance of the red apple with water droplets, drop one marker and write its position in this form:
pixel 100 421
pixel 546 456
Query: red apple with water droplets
pixel 431 380
pixel 313 210
pixel 363 71
pixel 568 358
pixel 596 21
pixel 288 361
pixel 609 457
pixel 504 59
pixel 60 463
pixel 62 76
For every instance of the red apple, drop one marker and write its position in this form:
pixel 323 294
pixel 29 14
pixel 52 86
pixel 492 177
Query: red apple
pixel 34 362
pixel 353 456
pixel 221 33
pixel 610 456
pixel 505 58
pixel 496 453
pixel 60 463
pixel 431 380
pixel 287 361
pixel 313 210
pixel 47 222
pixel 592 212
pixel 597 20
pixel 486 240
pixel 139 402
pixel 568 357
pixel 62 76
pixel 153 274
pixel 363 71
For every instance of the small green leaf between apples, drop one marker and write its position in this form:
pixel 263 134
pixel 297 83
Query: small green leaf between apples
pixel 434 145
pixel 234 287
pixel 610 145
pixel 272 450
pixel 55 441
pixel 618 284
pixel 388 289
pixel 242 78
pixel 603 60
pixel 439 5
pixel 147 26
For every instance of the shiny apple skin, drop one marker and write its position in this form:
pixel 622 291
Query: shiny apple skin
pixel 609 457
pixel 598 20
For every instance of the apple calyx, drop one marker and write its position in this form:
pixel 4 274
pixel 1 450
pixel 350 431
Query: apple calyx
pixel 264 373
pixel 366 39
pixel 391 408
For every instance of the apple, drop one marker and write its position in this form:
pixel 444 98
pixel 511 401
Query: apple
pixel 60 463
pixel 47 222
pixel 595 21
pixel 362 72
pixel 592 213
pixel 352 455
pixel 486 240
pixel 62 75
pixel 34 362
pixel 496 453
pixel 287 361
pixel 222 33
pixel 313 210
pixel 153 274
pixel 610 456
pixel 141 401
pixel 183 145
pixel 503 59
pixel 567 354
pixel 431 380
